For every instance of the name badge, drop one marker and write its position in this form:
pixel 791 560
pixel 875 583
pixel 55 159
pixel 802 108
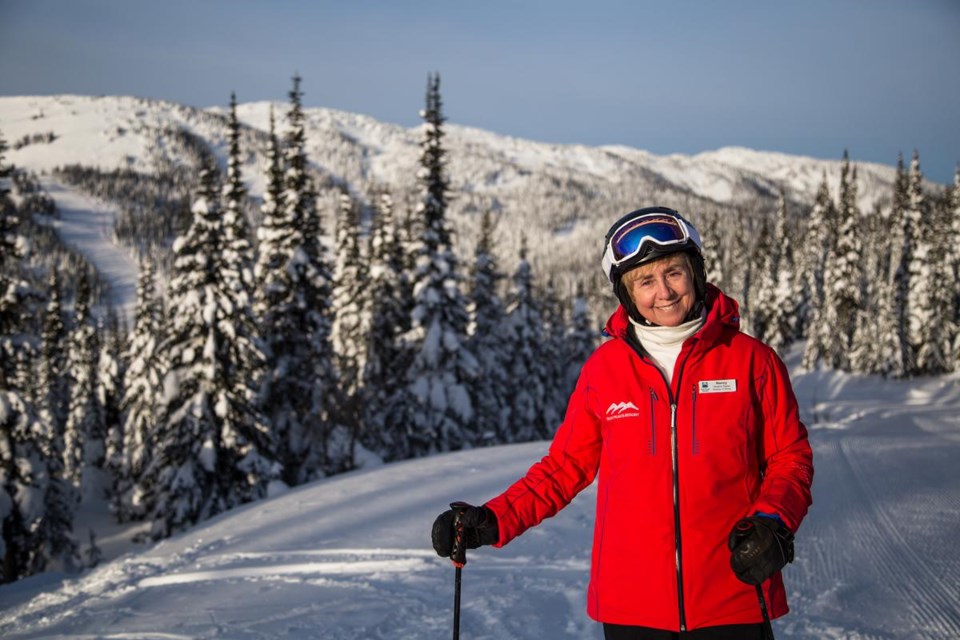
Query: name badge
pixel 718 386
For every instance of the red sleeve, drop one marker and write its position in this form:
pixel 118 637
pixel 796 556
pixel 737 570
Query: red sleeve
pixel 789 460
pixel 550 484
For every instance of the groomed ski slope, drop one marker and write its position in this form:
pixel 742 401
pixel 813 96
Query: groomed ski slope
pixel 349 557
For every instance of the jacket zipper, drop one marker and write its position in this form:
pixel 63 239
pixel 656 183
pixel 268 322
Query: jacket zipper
pixel 676 475
pixel 676 513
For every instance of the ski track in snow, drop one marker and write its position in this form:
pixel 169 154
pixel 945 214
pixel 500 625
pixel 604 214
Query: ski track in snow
pixel 86 224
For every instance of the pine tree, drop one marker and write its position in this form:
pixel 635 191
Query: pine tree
pixel 384 414
pixel 142 393
pixel 843 294
pixel 442 366
pixel 865 346
pixel 300 391
pixel 713 252
pixel 214 450
pixel 818 243
pixel 13 312
pixel 924 323
pixel 739 280
pixel 237 246
pixel 554 355
pixel 775 300
pixel 487 341
pixel 939 348
pixel 287 383
pixel 757 248
pixel 275 236
pixel 111 366
pixel 582 339
pixel 894 358
pixel 313 276
pixel 85 433
pixel 53 362
pixel 34 537
pixel 35 520
pixel 352 304
pixel 527 401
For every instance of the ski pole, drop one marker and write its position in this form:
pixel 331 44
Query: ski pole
pixel 459 557
pixel 767 627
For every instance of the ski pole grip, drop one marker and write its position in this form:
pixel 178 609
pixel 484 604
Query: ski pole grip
pixel 459 552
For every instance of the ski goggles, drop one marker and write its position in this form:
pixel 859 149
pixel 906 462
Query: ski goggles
pixel 636 237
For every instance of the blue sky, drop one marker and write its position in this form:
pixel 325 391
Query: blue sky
pixel 814 78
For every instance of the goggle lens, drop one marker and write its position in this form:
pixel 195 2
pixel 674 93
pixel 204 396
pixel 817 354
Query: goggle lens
pixel 629 240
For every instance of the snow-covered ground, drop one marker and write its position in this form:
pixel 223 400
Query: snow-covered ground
pixel 86 224
pixel 349 557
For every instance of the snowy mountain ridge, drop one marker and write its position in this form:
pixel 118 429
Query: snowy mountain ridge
pixel 558 184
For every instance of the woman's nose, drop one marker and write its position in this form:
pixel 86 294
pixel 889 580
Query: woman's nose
pixel 663 288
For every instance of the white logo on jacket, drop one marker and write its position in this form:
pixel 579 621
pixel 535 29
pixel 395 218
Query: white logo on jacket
pixel 622 410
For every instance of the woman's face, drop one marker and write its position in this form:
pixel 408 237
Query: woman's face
pixel 662 290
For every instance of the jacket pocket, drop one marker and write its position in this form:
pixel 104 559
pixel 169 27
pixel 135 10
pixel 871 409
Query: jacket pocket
pixel 693 418
pixel 652 447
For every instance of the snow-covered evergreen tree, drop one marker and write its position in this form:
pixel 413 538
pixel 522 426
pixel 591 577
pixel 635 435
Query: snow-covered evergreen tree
pixel 582 338
pixel 352 304
pixel 326 447
pixel 758 248
pixel 237 245
pixel 894 357
pixel 214 451
pixel 85 434
pixel 300 389
pixel 238 256
pixel 287 384
pixel 740 277
pixel 13 310
pixel 143 379
pixel 487 340
pixel 387 399
pixel 554 354
pixel 864 345
pixel 528 394
pixel 713 252
pixel 442 365
pixel 818 243
pixel 35 519
pixel 843 273
pixel 776 303
pixel 111 366
pixel 938 351
pixel 925 324
pixel 35 504
pixel 275 235
pixel 53 360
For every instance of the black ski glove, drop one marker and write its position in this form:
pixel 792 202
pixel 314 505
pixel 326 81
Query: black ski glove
pixel 760 547
pixel 479 528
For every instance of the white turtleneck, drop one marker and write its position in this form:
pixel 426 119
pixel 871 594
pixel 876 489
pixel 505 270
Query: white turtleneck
pixel 663 344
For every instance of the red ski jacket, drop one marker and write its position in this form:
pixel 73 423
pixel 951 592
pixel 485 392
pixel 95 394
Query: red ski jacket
pixel 679 464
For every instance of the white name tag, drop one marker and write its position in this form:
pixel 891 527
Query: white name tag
pixel 717 386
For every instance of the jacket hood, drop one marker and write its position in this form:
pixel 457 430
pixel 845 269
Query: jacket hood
pixel 722 311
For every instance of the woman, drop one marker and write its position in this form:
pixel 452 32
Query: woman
pixel 705 468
